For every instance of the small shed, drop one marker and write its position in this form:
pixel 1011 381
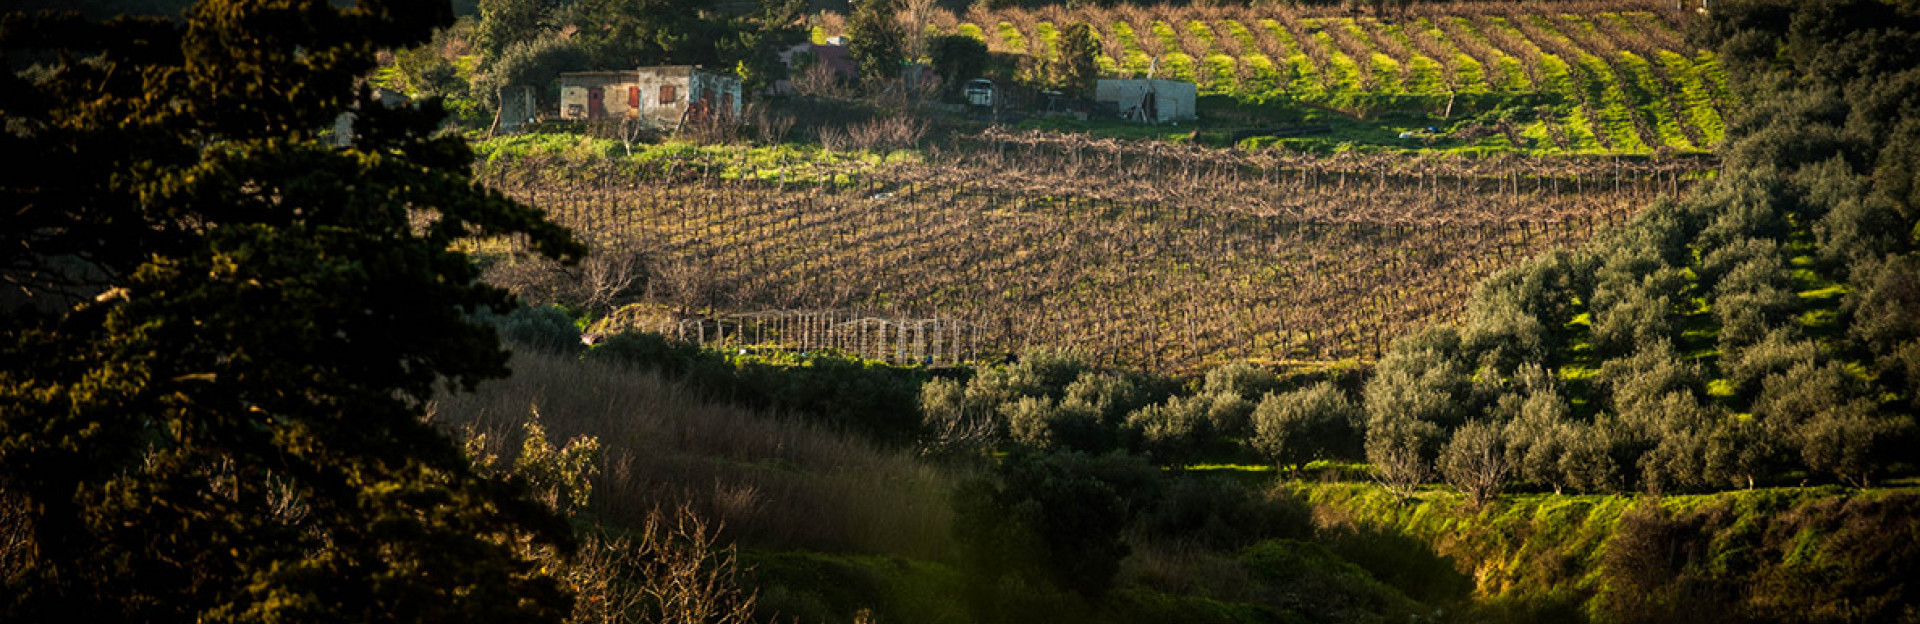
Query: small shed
pixel 663 96
pixel 1149 99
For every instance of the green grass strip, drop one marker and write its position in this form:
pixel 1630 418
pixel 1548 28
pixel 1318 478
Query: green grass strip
pixel 1288 45
pixel 1386 74
pixel 1222 75
pixel 1169 40
pixel 1342 74
pixel 1694 95
pixel 1049 40
pixel 1011 38
pixel 1614 113
pixel 1239 32
pixel 1262 79
pixel 1203 32
pixel 1425 76
pixel 1507 75
pixel 1650 97
pixel 968 30
pixel 1177 66
pixel 1714 77
pixel 1136 62
pixel 1469 75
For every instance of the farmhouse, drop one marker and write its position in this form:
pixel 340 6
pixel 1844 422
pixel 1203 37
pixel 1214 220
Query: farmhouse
pixel 662 96
pixel 1148 100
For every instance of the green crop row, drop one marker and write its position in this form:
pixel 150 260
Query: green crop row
pixel 1602 97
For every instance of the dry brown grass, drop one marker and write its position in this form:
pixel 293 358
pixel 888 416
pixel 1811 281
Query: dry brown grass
pixel 771 481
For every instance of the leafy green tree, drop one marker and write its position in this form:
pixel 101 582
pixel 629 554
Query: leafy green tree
pixel 1422 377
pixel 1054 518
pixel 876 41
pixel 1317 422
pixel 1538 437
pixel 1048 425
pixel 1110 395
pixel 1587 459
pixel 1738 453
pixel 1638 384
pixel 1172 432
pixel 1854 442
pixel 224 332
pixel 1079 59
pixel 535 63
pixel 958 58
pixel 1884 323
pixel 505 23
pixel 1631 316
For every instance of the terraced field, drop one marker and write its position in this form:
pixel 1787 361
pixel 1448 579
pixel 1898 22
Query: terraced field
pixel 1593 77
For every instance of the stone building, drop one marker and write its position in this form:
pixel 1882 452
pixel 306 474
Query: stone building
pixel 664 96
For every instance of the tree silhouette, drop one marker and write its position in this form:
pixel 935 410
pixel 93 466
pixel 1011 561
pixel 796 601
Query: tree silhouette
pixel 223 331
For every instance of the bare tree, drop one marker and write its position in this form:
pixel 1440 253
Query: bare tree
pixel 1475 462
pixel 674 570
pixel 608 273
pixel 914 16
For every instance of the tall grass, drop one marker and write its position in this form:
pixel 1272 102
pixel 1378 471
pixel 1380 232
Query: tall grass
pixel 774 482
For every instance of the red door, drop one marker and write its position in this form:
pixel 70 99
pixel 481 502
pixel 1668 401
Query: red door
pixel 633 99
pixel 595 107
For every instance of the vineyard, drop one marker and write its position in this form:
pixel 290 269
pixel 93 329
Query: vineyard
pixel 1148 254
pixel 1611 77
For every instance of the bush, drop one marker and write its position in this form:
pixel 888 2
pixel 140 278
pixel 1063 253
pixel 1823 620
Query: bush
pixel 1637 385
pixel 546 328
pixel 1588 463
pixel 872 398
pixel 1217 513
pixel 1537 438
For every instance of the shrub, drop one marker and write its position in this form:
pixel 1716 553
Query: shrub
pixel 547 328
pixel 1634 316
pixel 1110 395
pixel 1779 351
pixel 868 397
pixel 1218 513
pixel 1638 384
pixel 1588 463
pixel 950 427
